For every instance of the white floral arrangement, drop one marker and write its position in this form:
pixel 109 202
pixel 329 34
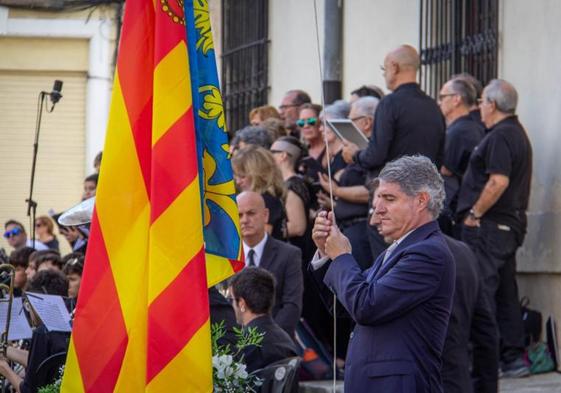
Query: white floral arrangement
pixel 229 372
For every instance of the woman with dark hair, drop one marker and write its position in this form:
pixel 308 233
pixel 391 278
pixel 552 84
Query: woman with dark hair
pixel 44 231
pixel 73 265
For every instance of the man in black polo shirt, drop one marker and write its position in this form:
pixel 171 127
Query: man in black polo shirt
pixel 406 122
pixel 492 204
pixel 463 133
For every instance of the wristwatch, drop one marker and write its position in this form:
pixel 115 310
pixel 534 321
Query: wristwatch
pixel 473 215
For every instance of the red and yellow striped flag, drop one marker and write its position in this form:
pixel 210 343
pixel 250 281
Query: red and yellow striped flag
pixel 142 320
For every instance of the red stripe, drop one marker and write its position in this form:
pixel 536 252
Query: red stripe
pixel 174 163
pixel 176 315
pixel 168 33
pixel 135 67
pixel 237 265
pixel 136 57
pixel 142 133
pixel 99 331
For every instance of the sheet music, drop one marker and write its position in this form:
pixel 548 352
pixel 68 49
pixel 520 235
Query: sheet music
pixel 19 325
pixel 51 310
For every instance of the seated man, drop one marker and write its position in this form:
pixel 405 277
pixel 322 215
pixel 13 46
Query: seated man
pixel 43 342
pixel 252 293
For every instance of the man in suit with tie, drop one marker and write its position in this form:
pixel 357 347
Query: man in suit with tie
pixel 283 260
pixel 401 305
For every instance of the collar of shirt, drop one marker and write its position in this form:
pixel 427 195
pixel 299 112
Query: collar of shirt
pixel 402 238
pixel 258 248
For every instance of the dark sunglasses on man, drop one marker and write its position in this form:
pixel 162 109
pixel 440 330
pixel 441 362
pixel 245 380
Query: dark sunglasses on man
pixel 13 232
pixel 311 121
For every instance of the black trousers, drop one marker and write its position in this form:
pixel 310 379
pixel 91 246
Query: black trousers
pixel 495 247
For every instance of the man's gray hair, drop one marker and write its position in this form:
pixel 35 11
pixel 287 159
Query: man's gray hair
pixel 366 106
pixel 416 174
pixel 253 135
pixel 503 94
pixel 465 90
pixel 338 110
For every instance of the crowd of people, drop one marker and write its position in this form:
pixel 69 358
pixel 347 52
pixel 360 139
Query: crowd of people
pixel 40 267
pixel 471 134
pixel 291 169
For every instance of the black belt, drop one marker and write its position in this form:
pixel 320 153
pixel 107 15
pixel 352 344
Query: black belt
pixel 350 222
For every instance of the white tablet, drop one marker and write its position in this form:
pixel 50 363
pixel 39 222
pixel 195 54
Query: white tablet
pixel 345 129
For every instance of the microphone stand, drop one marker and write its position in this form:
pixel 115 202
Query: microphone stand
pixel 31 204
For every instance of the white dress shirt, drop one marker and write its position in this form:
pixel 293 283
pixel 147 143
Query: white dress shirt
pixel 258 248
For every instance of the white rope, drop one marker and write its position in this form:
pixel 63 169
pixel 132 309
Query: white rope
pixel 330 189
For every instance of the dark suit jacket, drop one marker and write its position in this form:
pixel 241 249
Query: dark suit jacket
pixel 471 316
pixel 276 345
pixel 284 261
pixel 401 312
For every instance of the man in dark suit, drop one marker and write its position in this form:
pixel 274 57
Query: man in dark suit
pixel 401 305
pixel 252 294
pixel 406 122
pixel 471 320
pixel 281 259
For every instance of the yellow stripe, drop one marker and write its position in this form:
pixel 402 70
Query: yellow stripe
pixel 172 90
pixel 217 269
pixel 124 215
pixel 72 381
pixel 175 238
pixel 190 371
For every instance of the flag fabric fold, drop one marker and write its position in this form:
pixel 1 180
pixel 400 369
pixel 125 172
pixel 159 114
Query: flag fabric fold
pixel 165 224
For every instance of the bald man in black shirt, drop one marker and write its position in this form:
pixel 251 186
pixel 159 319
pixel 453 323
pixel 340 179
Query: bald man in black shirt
pixel 406 122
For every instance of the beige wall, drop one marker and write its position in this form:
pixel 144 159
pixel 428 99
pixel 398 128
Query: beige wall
pixel 28 66
pixel 368 34
pixel 371 29
pixel 293 56
pixel 530 57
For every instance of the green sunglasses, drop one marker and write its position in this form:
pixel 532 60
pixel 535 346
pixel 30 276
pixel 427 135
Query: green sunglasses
pixel 311 121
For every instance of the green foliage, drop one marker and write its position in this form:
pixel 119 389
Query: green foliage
pixel 228 368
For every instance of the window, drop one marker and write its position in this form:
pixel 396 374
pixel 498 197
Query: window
pixel 244 58
pixel 457 36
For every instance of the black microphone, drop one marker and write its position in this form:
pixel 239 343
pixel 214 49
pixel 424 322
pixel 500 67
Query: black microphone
pixel 55 94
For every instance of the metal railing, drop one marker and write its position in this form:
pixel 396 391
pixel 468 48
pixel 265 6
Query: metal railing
pixel 457 36
pixel 244 58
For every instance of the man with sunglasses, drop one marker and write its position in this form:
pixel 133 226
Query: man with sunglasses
pixel 16 236
pixel 455 99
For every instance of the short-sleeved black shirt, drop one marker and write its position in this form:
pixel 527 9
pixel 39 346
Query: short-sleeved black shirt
pixel 505 150
pixel 461 138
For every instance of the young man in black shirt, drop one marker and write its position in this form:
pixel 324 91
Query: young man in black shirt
pixel 492 204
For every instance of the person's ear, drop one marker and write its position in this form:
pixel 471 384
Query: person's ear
pixel 242 305
pixel 423 200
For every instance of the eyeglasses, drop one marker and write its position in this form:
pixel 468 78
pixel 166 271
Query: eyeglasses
pixel 443 96
pixel 286 106
pixel 311 121
pixel 13 232
pixel 481 101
